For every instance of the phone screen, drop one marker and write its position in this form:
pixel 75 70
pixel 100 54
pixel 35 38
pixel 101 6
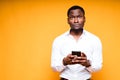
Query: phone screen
pixel 78 53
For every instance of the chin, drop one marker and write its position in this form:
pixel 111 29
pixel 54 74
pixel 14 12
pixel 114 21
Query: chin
pixel 78 28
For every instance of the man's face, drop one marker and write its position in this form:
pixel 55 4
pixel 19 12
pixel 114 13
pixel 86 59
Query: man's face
pixel 76 19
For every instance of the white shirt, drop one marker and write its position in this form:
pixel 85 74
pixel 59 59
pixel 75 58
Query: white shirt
pixel 65 44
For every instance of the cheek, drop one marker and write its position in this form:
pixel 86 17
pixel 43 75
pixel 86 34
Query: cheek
pixel 70 21
pixel 81 21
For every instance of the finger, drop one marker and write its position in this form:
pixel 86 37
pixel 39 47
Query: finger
pixel 79 61
pixel 81 58
pixel 83 54
pixel 69 56
pixel 82 61
pixel 72 56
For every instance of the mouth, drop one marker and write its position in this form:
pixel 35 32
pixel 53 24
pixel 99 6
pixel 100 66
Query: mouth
pixel 76 26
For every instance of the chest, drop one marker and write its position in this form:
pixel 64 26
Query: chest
pixel 83 45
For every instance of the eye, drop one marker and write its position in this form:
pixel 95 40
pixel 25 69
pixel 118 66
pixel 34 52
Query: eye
pixel 71 18
pixel 79 16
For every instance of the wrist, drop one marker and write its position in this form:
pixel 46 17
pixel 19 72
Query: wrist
pixel 64 62
pixel 88 64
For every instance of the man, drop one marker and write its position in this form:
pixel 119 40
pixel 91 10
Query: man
pixel 89 59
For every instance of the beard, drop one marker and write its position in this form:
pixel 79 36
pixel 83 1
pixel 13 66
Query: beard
pixel 76 30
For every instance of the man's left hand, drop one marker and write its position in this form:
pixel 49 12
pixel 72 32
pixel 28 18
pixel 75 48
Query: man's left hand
pixel 81 60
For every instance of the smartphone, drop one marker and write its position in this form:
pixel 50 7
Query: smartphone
pixel 78 53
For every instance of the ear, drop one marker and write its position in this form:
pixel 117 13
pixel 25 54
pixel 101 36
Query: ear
pixel 68 20
pixel 84 19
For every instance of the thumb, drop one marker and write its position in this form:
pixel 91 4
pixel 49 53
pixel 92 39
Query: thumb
pixel 83 54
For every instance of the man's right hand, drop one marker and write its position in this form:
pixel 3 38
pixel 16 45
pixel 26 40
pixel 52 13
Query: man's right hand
pixel 68 60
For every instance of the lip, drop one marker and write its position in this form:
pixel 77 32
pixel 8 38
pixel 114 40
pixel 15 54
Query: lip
pixel 76 25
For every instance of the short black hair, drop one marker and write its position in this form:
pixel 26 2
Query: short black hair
pixel 75 7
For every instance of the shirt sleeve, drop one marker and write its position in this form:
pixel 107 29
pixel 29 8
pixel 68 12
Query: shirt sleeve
pixel 96 62
pixel 57 58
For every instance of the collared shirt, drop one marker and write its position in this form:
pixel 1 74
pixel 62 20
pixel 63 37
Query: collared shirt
pixel 64 44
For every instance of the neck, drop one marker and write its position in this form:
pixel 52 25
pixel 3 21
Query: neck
pixel 76 33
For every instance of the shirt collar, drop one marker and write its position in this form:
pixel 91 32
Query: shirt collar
pixel 83 34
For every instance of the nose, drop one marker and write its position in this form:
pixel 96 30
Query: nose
pixel 76 20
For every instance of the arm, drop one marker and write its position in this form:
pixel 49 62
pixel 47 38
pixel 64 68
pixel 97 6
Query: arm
pixel 96 62
pixel 57 58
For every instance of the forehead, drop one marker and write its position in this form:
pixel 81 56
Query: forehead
pixel 76 12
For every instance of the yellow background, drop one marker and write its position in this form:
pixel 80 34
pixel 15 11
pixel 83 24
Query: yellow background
pixel 28 28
